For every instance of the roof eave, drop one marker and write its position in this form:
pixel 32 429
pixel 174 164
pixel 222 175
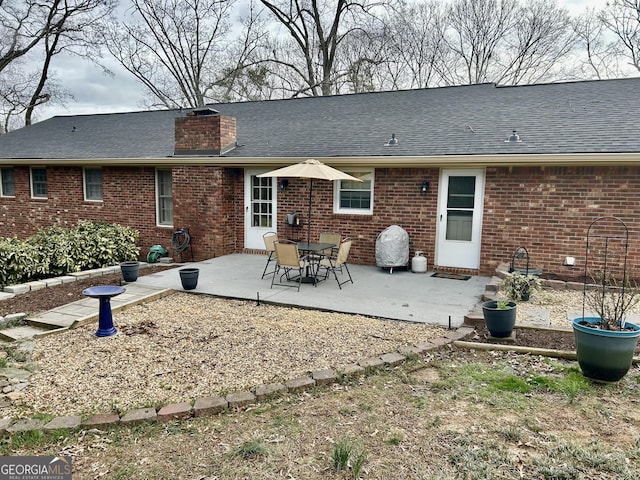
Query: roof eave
pixel 521 160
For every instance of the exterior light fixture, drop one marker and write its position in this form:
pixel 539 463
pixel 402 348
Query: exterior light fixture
pixel 284 183
pixel 513 138
pixel 392 141
pixel 424 188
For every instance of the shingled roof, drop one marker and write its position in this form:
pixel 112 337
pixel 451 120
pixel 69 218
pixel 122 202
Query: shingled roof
pixel 560 118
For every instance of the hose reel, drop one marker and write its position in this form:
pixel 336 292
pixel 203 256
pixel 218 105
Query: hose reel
pixel 181 241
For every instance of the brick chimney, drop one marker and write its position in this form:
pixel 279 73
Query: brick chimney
pixel 204 132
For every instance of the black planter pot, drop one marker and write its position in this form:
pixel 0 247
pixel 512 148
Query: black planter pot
pixel 500 321
pixel 189 277
pixel 130 271
pixel 604 355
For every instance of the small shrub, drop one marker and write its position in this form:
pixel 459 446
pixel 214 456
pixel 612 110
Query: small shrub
pixel 518 287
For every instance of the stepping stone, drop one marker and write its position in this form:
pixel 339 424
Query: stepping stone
pixel 20 333
pixel 536 317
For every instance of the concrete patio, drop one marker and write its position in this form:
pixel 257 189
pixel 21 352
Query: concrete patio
pixel 402 295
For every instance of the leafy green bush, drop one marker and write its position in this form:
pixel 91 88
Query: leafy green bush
pixel 100 244
pixel 19 261
pixel 54 245
pixel 54 251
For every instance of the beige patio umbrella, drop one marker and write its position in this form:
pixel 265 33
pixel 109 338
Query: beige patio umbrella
pixel 310 169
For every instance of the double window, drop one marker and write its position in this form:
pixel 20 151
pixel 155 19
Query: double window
pixel 6 182
pixel 92 180
pixel 38 182
pixel 164 198
pixel 351 197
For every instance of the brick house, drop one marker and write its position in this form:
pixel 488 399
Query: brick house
pixel 506 167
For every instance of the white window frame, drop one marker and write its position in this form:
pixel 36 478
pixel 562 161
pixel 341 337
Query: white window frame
pixel 3 170
pixel 159 198
pixel 337 189
pixel 86 183
pixel 32 182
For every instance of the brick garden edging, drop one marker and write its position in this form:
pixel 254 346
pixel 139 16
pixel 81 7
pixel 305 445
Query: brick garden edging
pixel 237 401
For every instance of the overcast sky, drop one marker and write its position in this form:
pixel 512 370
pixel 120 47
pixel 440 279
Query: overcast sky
pixel 96 92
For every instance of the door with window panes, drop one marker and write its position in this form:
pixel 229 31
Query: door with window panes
pixel 459 225
pixel 260 208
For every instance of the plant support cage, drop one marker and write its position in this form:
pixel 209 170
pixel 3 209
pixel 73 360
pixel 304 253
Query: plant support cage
pixel 605 260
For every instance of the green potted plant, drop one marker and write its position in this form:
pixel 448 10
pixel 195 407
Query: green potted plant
pixel 500 315
pixel 519 287
pixel 605 344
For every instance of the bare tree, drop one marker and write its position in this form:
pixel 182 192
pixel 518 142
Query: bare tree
pixel 622 17
pixel 316 29
pixel 542 40
pixel 415 45
pixel 505 42
pixel 599 56
pixel 475 31
pixel 182 50
pixel 26 26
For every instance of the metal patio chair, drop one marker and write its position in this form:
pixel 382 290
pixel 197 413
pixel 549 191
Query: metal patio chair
pixel 288 259
pixel 331 264
pixel 269 239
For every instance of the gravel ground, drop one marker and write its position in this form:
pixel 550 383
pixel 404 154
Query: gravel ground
pixel 559 303
pixel 186 346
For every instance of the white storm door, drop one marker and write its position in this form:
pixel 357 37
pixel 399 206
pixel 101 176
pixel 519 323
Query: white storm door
pixel 460 203
pixel 260 208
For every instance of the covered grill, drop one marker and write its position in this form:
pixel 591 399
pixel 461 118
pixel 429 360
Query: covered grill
pixel 392 248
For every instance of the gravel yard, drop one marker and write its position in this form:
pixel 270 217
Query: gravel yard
pixel 186 346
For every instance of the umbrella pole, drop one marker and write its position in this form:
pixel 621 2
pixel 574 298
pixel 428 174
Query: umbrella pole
pixel 309 221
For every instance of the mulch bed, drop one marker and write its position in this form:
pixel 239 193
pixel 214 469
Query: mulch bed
pixel 525 337
pixel 535 338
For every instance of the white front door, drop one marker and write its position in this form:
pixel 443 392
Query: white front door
pixel 260 208
pixel 460 203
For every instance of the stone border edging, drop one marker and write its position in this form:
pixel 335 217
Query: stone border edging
pixel 209 406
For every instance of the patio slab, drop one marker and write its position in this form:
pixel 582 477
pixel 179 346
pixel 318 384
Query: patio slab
pixel 402 295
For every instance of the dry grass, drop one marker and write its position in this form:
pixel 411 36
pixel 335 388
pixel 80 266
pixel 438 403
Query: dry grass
pixel 453 415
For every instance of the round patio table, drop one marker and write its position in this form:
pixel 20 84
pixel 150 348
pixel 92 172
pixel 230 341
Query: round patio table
pixel 105 319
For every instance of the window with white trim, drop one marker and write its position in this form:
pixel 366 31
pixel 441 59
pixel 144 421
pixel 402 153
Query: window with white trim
pixel 351 197
pixel 7 185
pixel 92 183
pixel 38 182
pixel 164 198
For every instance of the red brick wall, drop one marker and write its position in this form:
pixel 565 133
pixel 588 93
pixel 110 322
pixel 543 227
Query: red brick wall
pixel 128 199
pixel 204 133
pixel 548 210
pixel 397 201
pixel 206 200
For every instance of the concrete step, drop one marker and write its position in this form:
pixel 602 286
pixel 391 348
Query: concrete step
pixel 475 317
pixel 25 332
